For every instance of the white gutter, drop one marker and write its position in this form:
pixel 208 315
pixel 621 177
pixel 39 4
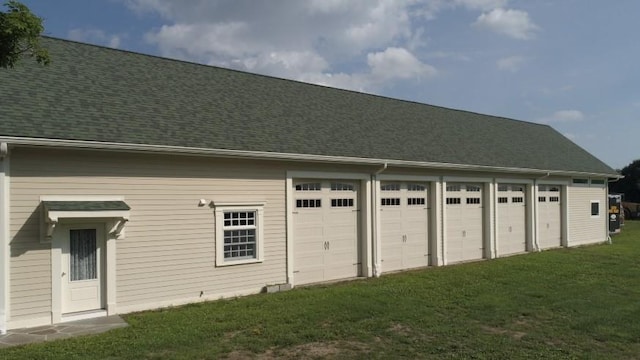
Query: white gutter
pixel 277 156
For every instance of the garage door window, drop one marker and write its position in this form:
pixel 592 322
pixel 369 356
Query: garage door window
pixel 416 187
pixel 308 203
pixel 415 201
pixel 390 187
pixel 453 187
pixel 308 187
pixel 341 187
pixel 503 200
pixel 453 201
pixel 239 234
pixel 473 200
pixel 473 188
pixel 390 202
pixel 341 202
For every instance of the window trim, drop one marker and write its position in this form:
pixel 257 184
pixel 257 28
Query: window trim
pixel 219 210
pixel 591 205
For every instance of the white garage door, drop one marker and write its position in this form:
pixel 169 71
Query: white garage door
pixel 404 225
pixel 325 230
pixel 549 216
pixel 464 222
pixel 511 214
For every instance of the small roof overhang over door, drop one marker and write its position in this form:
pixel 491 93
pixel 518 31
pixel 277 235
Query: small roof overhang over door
pixel 116 210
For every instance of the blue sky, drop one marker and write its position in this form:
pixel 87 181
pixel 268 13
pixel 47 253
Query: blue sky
pixel 572 64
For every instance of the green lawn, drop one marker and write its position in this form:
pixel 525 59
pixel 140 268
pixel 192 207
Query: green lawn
pixel 567 303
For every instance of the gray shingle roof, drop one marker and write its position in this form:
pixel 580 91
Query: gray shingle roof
pixel 98 94
pixel 86 205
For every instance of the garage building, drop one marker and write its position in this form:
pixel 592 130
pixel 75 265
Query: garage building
pixel 130 182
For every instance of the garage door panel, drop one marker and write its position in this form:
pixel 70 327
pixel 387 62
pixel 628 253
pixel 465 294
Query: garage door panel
pixel 511 219
pixel 549 217
pixel 464 222
pixel 325 227
pixel 404 219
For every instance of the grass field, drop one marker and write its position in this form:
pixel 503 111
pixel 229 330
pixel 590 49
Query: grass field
pixel 567 303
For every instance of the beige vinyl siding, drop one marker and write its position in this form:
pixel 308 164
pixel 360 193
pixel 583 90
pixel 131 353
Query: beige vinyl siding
pixel 583 228
pixel 168 252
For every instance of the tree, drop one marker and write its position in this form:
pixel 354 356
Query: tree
pixel 630 184
pixel 20 33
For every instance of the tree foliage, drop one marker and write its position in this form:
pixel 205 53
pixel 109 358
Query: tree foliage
pixel 630 185
pixel 20 33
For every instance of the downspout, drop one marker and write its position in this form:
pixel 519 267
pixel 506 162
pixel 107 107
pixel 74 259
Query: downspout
pixel 374 231
pixel 4 237
pixel 536 211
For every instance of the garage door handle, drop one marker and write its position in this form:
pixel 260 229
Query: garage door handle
pixel 510 229
pixel 464 233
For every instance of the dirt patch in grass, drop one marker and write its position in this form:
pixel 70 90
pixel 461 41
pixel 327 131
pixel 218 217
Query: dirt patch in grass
pixel 400 329
pixel 314 350
pixel 500 331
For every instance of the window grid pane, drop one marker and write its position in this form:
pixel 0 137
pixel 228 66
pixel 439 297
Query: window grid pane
pixel 240 244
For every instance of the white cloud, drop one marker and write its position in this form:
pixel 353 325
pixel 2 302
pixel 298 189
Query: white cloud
pixel 482 4
pixel 511 63
pixel 374 40
pixel 95 36
pixel 398 63
pixel 563 116
pixel 509 22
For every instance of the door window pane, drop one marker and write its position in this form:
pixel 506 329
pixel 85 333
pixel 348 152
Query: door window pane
pixel 82 254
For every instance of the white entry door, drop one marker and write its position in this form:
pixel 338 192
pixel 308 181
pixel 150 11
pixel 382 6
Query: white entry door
pixel 82 268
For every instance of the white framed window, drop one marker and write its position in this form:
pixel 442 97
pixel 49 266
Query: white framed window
pixel 239 233
pixel 595 208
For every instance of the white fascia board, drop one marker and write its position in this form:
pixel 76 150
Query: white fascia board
pixel 125 147
pixel 54 216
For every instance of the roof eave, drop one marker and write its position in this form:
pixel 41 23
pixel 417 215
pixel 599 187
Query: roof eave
pixel 227 153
